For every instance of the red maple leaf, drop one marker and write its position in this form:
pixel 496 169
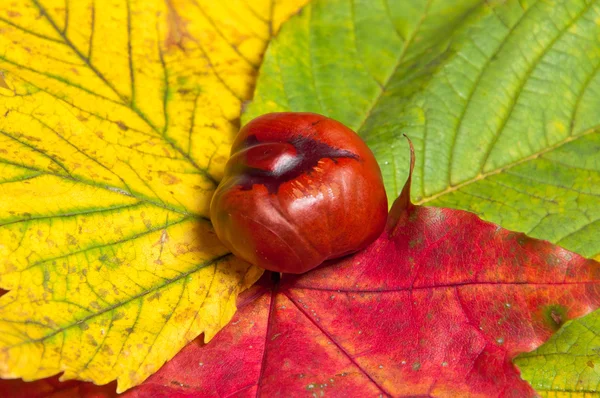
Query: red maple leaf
pixel 439 305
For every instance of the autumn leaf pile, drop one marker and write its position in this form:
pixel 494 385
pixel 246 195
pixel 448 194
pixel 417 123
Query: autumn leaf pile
pixel 115 124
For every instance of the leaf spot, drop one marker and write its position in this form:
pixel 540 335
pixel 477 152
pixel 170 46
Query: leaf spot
pixel 122 125
pixel 590 364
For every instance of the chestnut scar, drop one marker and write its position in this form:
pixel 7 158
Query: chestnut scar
pixel 287 166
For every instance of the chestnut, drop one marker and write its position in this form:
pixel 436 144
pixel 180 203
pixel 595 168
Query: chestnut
pixel 299 189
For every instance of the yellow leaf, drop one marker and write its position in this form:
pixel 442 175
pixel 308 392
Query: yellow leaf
pixel 113 136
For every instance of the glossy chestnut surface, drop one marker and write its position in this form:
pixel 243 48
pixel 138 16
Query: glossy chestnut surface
pixel 299 189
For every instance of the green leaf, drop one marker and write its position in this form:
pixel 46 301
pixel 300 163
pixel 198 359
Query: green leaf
pixel 568 362
pixel 500 98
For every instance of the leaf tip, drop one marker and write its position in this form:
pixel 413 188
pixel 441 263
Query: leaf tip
pixel 403 203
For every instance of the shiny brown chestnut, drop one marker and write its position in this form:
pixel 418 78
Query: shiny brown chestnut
pixel 299 189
